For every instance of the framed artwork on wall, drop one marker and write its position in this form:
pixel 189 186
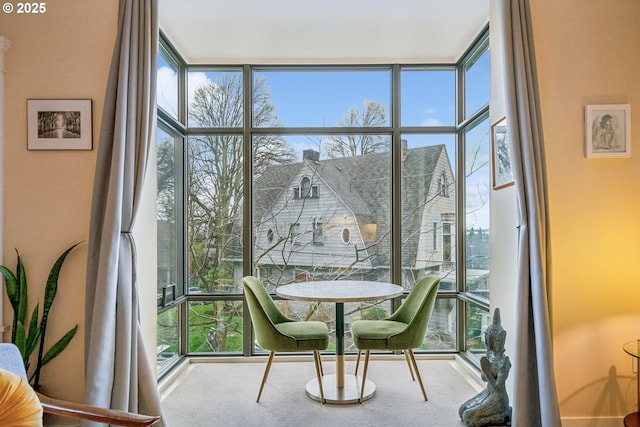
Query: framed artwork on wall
pixel 608 131
pixel 501 172
pixel 59 124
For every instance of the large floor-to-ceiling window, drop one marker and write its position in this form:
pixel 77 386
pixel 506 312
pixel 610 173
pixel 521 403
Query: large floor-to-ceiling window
pixel 294 173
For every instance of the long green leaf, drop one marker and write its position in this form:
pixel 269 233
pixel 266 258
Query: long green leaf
pixel 52 283
pixel 33 334
pixel 49 295
pixel 20 342
pixel 28 340
pixel 23 298
pixel 11 286
pixel 57 348
pixel 10 281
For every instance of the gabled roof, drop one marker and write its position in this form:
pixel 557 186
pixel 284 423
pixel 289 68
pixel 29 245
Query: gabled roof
pixel 363 183
pixel 337 174
pixel 268 186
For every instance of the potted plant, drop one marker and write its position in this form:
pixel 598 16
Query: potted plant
pixel 28 337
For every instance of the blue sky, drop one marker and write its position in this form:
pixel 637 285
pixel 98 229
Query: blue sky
pixel 319 99
pixel 311 98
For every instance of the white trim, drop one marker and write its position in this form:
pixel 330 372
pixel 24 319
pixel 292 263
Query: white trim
pixel 5 44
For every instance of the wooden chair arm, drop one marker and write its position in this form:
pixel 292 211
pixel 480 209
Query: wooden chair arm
pixel 92 413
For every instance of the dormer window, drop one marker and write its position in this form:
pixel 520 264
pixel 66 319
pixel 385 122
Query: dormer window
pixel 305 189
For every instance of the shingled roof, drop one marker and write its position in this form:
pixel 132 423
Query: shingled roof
pixel 363 183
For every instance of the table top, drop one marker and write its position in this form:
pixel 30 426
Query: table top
pixel 632 348
pixel 339 291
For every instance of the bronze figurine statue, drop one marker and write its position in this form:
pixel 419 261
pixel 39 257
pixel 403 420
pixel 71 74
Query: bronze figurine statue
pixel 491 407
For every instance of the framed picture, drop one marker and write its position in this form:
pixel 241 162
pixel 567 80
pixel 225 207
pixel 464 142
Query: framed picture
pixel 608 131
pixel 59 124
pixel 501 153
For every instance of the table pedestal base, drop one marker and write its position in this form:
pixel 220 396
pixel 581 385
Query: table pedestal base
pixel 350 393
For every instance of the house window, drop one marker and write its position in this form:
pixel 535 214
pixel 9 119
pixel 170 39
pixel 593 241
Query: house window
pixel 265 273
pixel 435 236
pixel 443 187
pixel 305 187
pixel 318 236
pixel 294 232
pixel 346 236
pixel 446 242
pixel 228 175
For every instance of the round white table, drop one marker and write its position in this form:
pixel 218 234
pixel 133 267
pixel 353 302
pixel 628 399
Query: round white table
pixel 339 388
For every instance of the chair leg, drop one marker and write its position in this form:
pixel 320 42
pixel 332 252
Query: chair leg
pixel 415 367
pixel 319 374
pixel 406 356
pixel 364 373
pixel 266 374
pixel 357 363
pixel 320 365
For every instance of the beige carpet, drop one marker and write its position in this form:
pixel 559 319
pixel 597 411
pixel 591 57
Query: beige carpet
pixel 224 394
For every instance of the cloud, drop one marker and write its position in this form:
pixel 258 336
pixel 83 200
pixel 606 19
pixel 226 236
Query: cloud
pixel 195 79
pixel 431 121
pixel 167 88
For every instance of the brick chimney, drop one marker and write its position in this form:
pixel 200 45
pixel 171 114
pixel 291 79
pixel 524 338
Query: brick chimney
pixel 310 154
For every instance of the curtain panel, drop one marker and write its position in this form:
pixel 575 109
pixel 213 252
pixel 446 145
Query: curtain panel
pixel 118 372
pixel 535 400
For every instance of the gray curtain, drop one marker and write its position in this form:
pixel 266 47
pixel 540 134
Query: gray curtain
pixel 535 401
pixel 118 373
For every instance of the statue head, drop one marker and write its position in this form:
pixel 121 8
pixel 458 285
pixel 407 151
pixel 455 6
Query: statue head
pixel 495 335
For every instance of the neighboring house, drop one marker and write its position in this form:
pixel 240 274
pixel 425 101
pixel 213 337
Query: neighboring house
pixel 331 218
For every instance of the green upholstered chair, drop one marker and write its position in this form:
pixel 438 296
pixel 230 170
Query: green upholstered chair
pixel 276 332
pixel 403 330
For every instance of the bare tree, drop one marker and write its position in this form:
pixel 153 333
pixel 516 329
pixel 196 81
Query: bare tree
pixel 215 165
pixel 373 114
pixel 165 180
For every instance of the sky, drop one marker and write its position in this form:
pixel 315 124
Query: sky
pixel 319 99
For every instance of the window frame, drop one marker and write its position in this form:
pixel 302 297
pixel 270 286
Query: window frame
pixel 463 123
